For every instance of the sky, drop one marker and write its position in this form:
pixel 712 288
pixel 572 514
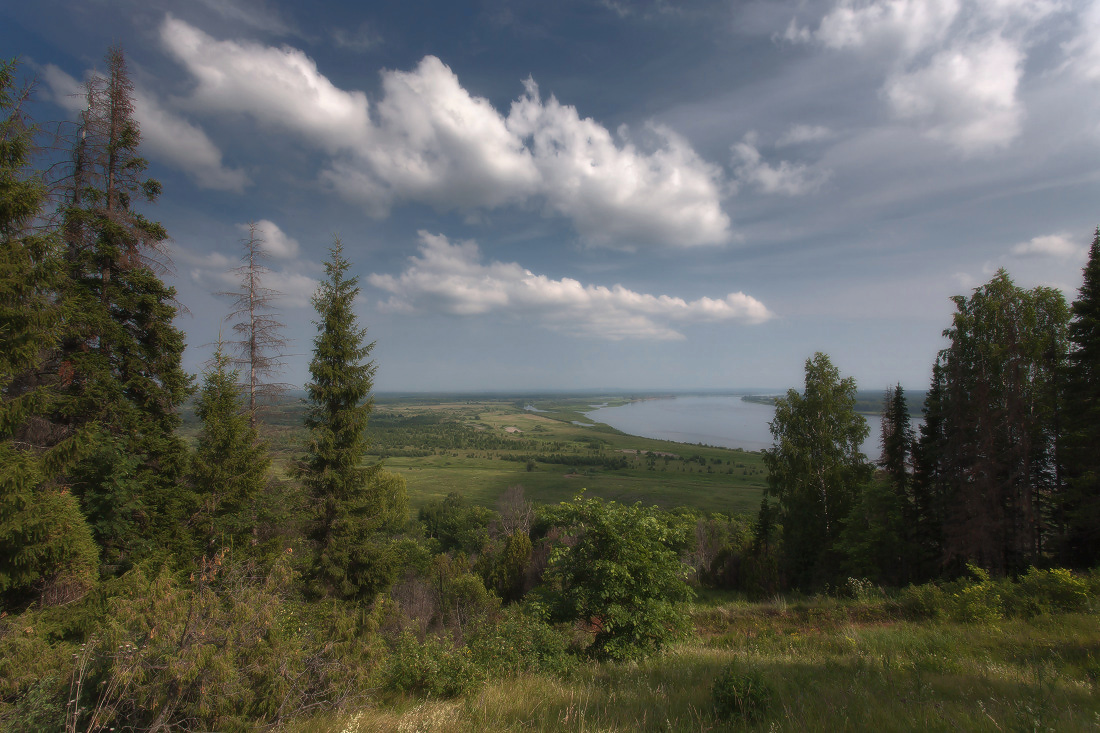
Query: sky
pixel 605 194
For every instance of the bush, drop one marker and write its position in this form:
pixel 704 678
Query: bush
pixel 977 603
pixel 741 694
pixel 1045 591
pixel 619 574
pixel 436 667
pixel 926 601
pixel 519 643
pixel 431 668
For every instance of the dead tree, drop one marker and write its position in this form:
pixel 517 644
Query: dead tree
pixel 260 346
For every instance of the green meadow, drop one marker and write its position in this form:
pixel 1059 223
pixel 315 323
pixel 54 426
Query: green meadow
pixel 833 664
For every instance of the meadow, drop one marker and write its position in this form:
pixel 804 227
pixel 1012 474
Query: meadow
pixel 833 664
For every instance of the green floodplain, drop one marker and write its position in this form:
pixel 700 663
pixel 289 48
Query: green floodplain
pixel 479 446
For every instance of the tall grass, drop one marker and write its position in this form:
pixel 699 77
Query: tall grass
pixel 834 665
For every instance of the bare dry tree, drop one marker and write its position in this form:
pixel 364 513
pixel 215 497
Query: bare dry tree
pixel 260 345
pixel 107 175
pixel 516 512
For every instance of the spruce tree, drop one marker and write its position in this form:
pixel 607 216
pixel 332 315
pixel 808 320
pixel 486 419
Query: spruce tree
pixel 879 537
pixel 351 501
pixel 997 414
pixel 230 468
pixel 1080 439
pixel 121 353
pixel 931 451
pixel 46 546
pixel 897 440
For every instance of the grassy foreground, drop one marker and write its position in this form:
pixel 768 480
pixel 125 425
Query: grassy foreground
pixel 834 665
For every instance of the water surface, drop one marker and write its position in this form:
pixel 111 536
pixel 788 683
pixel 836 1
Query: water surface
pixel 722 420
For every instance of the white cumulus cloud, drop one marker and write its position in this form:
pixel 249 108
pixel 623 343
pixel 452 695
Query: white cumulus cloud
pixel 428 139
pixel 798 134
pixel 966 95
pixel 278 86
pixel 952 68
pixel 904 26
pixel 286 276
pixel 614 190
pixel 173 140
pixel 1049 245
pixel 452 278
pixel 435 142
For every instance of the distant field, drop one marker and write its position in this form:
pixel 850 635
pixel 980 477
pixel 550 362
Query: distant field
pixel 480 447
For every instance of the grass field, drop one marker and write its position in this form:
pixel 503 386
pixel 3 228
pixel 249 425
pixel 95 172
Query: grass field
pixel 833 665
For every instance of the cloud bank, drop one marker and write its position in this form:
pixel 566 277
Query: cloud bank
pixel 428 139
pixel 952 67
pixel 452 278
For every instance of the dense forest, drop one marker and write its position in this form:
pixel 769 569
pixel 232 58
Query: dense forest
pixel 149 582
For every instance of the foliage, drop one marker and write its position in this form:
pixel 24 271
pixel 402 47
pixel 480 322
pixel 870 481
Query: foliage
pixel 120 360
pixel 977 598
pixel 876 539
pixel 513 644
pixel 815 469
pixel 741 694
pixel 619 574
pixel 897 439
pixel 354 504
pixel 456 524
pixel 989 439
pixel 46 547
pixel 1080 426
pixel 430 668
pixel 460 595
pixel 230 468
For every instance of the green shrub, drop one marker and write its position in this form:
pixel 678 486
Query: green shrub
pixel 741 694
pixel 519 643
pixel 859 589
pixel 436 667
pixel 1046 591
pixel 431 668
pixel 926 601
pixel 977 603
pixel 620 575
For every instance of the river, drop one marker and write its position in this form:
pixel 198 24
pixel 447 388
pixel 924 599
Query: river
pixel 724 420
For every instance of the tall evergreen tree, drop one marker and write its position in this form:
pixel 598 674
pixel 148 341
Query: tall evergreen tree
pixel 353 503
pixel 998 404
pixel 230 467
pixel 816 470
pixel 1080 440
pixel 897 440
pixel 46 546
pixel 931 454
pixel 121 353
pixel 879 537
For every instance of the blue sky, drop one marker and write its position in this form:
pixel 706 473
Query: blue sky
pixel 607 195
